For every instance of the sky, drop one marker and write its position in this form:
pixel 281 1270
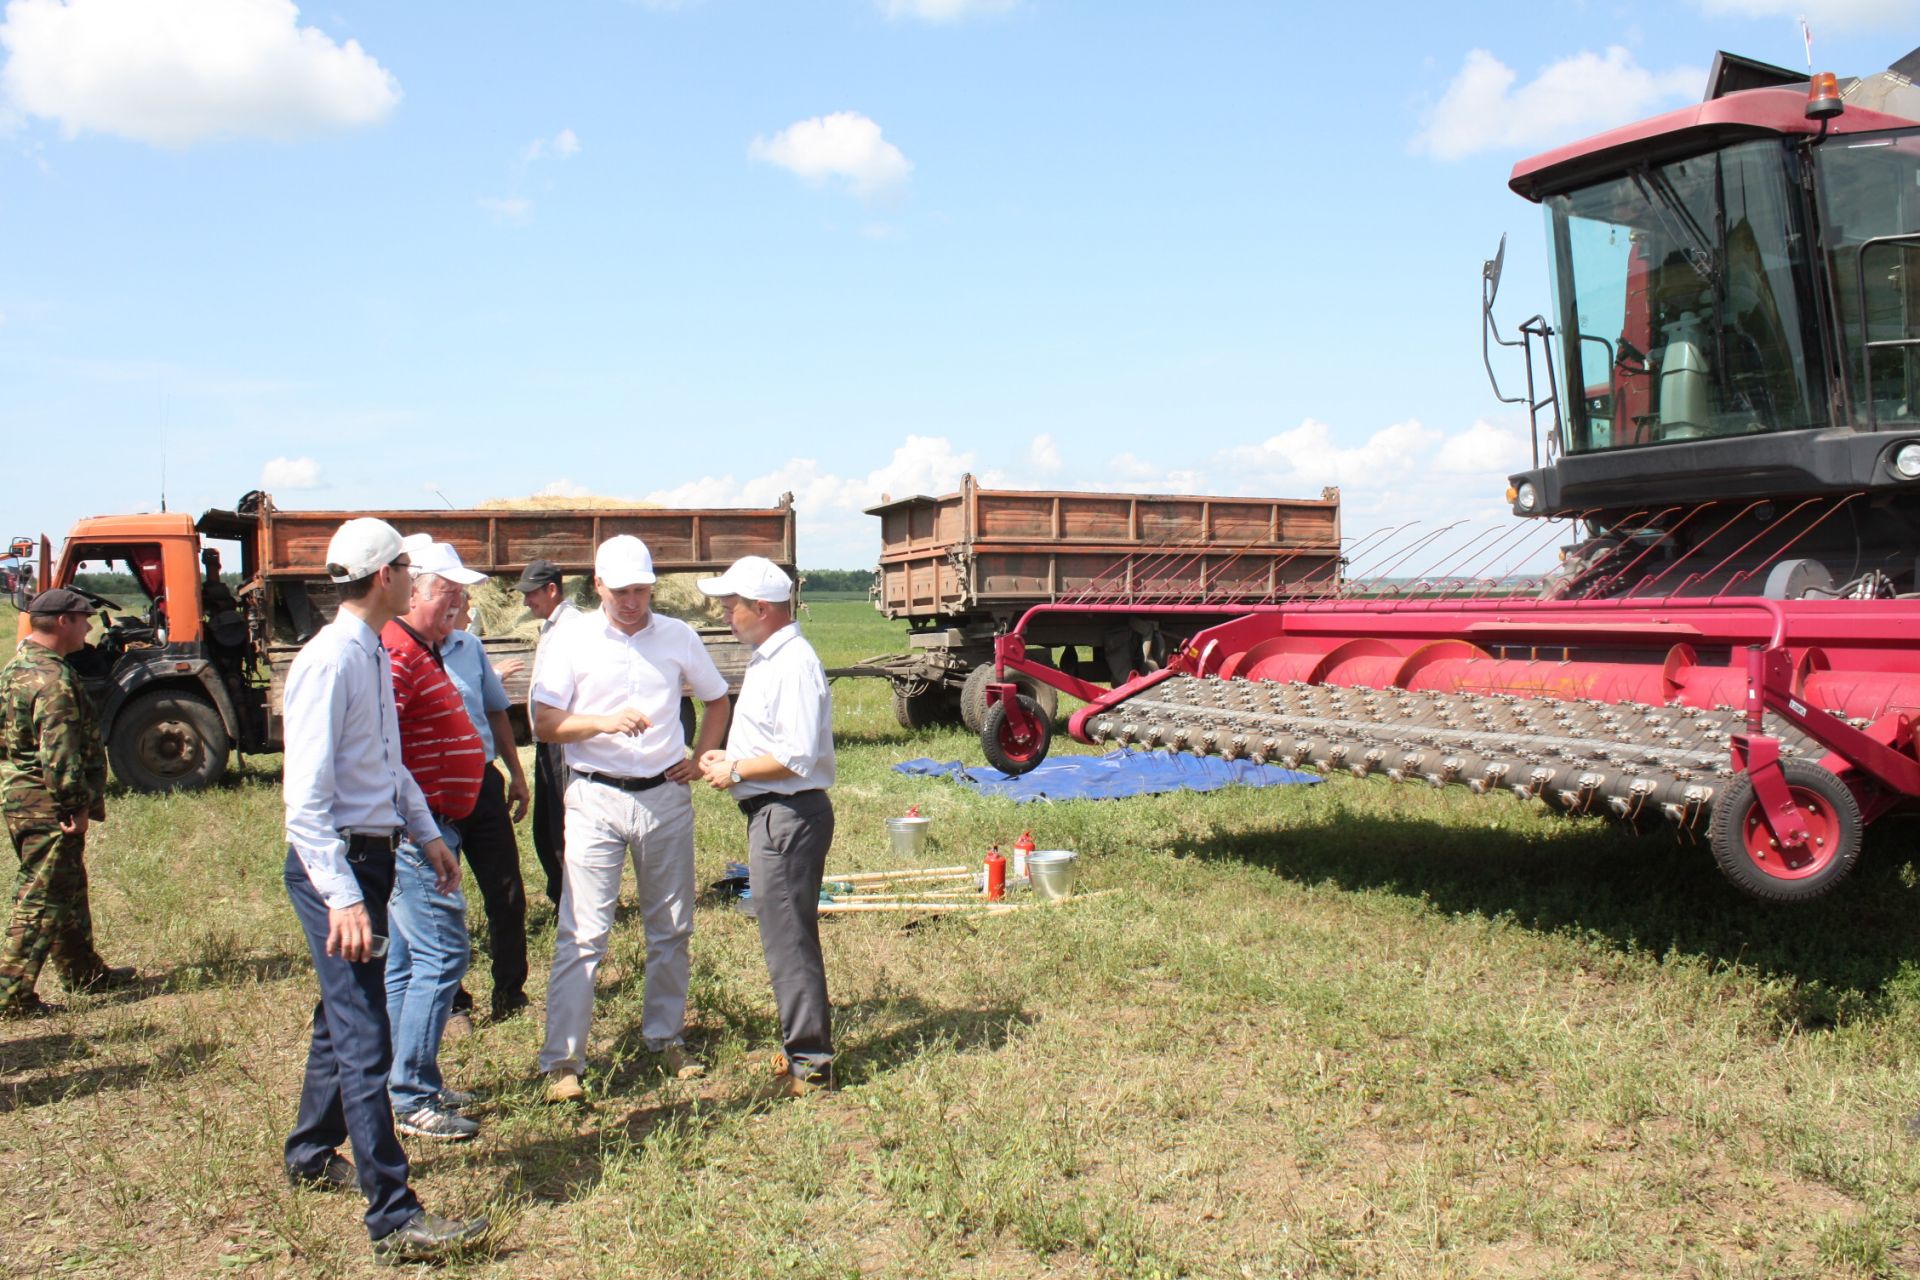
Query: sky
pixel 706 252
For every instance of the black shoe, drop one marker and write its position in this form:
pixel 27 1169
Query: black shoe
pixel 462 1002
pixel 505 1007
pixel 335 1175
pixel 106 979
pixel 426 1238
pixel 30 1005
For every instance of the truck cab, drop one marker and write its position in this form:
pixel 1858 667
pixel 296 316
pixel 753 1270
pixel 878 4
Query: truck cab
pixel 1728 395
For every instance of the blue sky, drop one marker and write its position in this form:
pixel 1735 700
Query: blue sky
pixel 707 252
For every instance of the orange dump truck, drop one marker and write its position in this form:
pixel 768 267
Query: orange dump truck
pixel 192 673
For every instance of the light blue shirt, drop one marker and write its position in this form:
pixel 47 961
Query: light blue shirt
pixel 480 686
pixel 342 771
pixel 784 710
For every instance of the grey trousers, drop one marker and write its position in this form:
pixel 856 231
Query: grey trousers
pixel 787 842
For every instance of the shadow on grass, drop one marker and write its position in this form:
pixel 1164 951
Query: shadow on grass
pixel 1844 955
pixel 172 1062
pixel 222 970
pixel 560 1169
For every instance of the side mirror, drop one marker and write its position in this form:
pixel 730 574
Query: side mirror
pixel 1490 270
pixel 21 599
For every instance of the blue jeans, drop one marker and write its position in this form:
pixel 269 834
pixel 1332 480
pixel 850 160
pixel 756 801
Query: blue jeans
pixel 426 959
pixel 343 1097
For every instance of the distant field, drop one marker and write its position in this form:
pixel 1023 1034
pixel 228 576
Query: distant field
pixel 1342 1030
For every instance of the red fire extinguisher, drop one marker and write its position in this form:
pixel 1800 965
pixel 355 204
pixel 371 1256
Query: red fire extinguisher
pixel 1022 848
pixel 996 874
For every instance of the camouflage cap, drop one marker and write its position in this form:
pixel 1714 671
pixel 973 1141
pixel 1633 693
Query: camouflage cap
pixel 59 600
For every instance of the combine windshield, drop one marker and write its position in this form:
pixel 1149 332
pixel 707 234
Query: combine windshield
pixel 1679 289
pixel 1870 188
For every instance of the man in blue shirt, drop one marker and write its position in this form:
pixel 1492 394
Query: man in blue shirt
pixel 487 836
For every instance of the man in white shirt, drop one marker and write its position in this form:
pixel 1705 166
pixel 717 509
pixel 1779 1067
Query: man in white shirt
pixel 350 805
pixel 607 685
pixel 778 763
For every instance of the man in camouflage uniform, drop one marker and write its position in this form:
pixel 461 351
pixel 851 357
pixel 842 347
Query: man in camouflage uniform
pixel 53 774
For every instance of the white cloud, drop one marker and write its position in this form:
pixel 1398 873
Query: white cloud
pixel 290 473
pixel 1483 448
pixel 943 10
pixel 563 488
pixel 1820 14
pixel 843 145
pixel 512 211
pixel 176 72
pixel 1308 456
pixel 1482 110
pixel 563 144
pixel 1044 453
pixel 566 143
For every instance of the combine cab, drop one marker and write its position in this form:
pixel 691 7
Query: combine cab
pixel 1726 409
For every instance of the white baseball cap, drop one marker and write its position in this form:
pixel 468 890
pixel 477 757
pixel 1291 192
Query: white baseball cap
pixel 440 559
pixel 623 561
pixel 362 546
pixel 751 578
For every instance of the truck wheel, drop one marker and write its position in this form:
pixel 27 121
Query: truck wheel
pixel 1010 751
pixel 973 696
pixel 168 741
pixel 1746 852
pixel 931 706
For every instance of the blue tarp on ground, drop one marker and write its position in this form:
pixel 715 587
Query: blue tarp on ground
pixel 1108 777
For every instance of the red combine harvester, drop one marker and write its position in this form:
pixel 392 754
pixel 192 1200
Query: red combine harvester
pixel 1726 410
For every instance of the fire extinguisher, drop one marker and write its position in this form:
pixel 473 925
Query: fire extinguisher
pixel 996 874
pixel 1022 848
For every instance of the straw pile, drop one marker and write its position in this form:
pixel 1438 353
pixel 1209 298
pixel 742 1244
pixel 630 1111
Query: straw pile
pixel 498 609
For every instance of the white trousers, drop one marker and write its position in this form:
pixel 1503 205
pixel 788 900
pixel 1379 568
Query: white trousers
pixel 604 826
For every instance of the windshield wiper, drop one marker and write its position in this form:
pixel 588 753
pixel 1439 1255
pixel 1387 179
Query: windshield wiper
pixel 1658 191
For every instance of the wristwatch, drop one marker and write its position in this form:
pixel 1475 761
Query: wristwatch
pixel 734 774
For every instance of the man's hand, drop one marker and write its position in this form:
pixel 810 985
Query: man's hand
pixel 626 720
pixel 718 770
pixel 446 868
pixel 75 823
pixel 518 797
pixel 685 771
pixel 350 932
pixel 510 668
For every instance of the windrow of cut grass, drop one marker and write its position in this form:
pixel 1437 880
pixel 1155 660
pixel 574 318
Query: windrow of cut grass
pixel 1335 1030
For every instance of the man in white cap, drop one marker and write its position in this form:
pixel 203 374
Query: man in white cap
pixel 351 805
pixel 778 763
pixel 608 686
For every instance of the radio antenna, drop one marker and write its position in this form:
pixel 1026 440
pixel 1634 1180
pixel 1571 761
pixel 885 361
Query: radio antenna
pixel 166 405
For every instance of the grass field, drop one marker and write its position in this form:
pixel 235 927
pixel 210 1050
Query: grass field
pixel 1340 1030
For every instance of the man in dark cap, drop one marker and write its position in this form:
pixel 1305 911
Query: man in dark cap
pixel 53 776
pixel 546 595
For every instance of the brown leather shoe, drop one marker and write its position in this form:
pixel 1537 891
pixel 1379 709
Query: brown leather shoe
pixel 564 1087
pixel 680 1064
pixel 785 1084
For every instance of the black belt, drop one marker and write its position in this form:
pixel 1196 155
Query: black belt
pixel 754 804
pixel 361 846
pixel 624 784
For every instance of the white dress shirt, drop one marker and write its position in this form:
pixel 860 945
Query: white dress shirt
pixel 785 710
pixel 342 769
pixel 588 666
pixel 561 612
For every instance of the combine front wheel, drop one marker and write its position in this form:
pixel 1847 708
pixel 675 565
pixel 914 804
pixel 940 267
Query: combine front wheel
pixel 1012 748
pixel 1747 853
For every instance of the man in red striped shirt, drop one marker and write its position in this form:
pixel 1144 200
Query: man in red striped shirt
pixel 443 752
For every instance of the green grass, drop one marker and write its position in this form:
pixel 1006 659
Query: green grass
pixel 1343 1030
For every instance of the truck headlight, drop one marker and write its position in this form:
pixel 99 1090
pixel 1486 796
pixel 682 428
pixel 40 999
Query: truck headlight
pixel 1527 497
pixel 1906 460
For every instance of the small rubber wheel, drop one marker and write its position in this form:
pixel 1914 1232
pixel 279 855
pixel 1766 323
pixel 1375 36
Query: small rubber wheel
pixel 168 741
pixel 973 695
pixel 1010 751
pixel 1745 849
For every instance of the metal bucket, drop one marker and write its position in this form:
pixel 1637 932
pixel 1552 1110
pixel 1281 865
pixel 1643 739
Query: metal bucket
pixel 1053 872
pixel 908 836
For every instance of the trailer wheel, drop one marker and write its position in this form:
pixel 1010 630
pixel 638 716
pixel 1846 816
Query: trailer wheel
pixel 1746 852
pixel 973 695
pixel 933 705
pixel 1010 751
pixel 168 741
